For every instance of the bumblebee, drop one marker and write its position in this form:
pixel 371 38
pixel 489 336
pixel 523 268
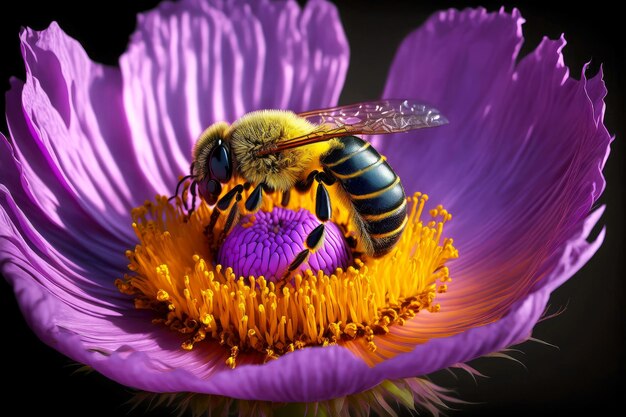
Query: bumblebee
pixel 281 151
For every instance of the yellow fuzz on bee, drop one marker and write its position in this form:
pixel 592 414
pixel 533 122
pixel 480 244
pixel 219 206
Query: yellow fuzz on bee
pixel 173 274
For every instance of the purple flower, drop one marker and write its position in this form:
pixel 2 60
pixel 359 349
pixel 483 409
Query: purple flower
pixel 519 165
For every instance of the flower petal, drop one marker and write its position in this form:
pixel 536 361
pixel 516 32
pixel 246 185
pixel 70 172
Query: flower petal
pixel 74 135
pixel 322 373
pixel 527 145
pixel 193 63
pixel 78 315
pixel 74 167
pixel 39 188
pixel 98 326
pixel 148 358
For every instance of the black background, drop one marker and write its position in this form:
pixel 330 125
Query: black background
pixel 584 376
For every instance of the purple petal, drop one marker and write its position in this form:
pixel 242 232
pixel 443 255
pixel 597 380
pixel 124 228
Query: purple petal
pixel 39 189
pixel 495 257
pixel 150 358
pixel 68 309
pixel 323 373
pixel 72 170
pixel 193 63
pixel 519 165
pixel 74 140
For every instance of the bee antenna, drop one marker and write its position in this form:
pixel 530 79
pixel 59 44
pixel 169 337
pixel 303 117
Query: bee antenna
pixel 182 180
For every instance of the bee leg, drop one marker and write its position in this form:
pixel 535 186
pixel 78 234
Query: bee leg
pixel 208 230
pixel 299 260
pixel 221 206
pixel 224 202
pixel 194 196
pixel 305 185
pixel 284 201
pixel 326 177
pixel 180 182
pixel 254 200
pixel 233 215
pixel 323 211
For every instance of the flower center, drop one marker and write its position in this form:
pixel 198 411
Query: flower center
pixel 264 244
pixel 335 299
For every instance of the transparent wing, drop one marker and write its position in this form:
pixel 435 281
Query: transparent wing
pixel 368 118
pixel 378 117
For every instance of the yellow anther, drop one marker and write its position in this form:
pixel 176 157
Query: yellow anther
pixel 172 274
pixel 162 295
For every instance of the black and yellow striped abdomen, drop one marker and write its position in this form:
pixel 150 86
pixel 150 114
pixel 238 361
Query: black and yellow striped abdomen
pixel 373 189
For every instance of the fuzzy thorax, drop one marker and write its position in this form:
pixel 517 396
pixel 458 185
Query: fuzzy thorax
pixel 262 129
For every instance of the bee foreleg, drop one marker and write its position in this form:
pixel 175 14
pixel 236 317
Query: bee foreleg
pixel 233 216
pixel 221 206
pixel 208 230
pixel 305 185
pixel 254 200
pixel 323 209
pixel 224 202
pixel 180 182
pixel 284 201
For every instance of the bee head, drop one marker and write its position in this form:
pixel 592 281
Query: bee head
pixel 213 165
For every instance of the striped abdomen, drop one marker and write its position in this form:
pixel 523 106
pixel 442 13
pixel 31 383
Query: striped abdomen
pixel 373 189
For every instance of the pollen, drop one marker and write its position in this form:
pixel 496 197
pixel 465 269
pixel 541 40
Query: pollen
pixel 173 271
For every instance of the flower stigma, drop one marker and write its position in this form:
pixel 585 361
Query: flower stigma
pixel 228 289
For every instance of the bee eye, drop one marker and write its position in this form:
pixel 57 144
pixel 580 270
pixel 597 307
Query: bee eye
pixel 220 166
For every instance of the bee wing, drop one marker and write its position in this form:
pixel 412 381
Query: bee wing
pixel 367 118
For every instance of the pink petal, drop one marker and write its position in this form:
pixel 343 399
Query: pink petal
pixel 193 63
pixel 519 165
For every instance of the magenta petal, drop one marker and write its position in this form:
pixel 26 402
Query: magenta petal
pixel 515 327
pixel 149 357
pixel 38 187
pixel 74 169
pixel 79 139
pixel 70 308
pixel 337 372
pixel 519 165
pixel 63 214
pixel 193 63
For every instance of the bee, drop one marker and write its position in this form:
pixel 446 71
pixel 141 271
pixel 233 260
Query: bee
pixel 281 151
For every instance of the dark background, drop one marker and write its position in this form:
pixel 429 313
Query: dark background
pixel 585 375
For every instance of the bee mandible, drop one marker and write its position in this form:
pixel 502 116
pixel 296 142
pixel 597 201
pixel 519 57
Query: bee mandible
pixel 281 151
